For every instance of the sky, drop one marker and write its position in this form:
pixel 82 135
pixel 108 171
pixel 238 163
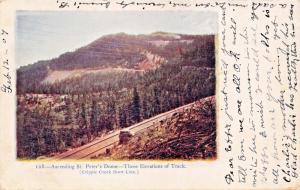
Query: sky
pixel 42 35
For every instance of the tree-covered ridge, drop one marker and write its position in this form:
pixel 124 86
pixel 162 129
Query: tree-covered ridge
pixel 124 51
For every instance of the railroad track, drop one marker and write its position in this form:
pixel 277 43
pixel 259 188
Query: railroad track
pixel 100 145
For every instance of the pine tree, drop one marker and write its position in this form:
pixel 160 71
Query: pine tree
pixel 110 119
pixel 145 110
pixel 82 122
pixel 68 112
pixel 135 106
pixel 176 101
pixel 188 92
pixel 94 120
pixel 156 102
pixel 122 118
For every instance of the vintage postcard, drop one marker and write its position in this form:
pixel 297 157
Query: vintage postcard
pixel 132 93
pixel 110 94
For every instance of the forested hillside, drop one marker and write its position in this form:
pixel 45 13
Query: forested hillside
pixel 186 135
pixel 131 52
pixel 116 81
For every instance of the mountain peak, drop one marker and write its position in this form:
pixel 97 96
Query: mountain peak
pixel 160 33
pixel 166 35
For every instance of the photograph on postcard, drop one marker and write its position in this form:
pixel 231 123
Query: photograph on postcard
pixel 116 85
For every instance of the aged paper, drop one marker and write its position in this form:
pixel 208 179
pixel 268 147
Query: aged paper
pixel 121 94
